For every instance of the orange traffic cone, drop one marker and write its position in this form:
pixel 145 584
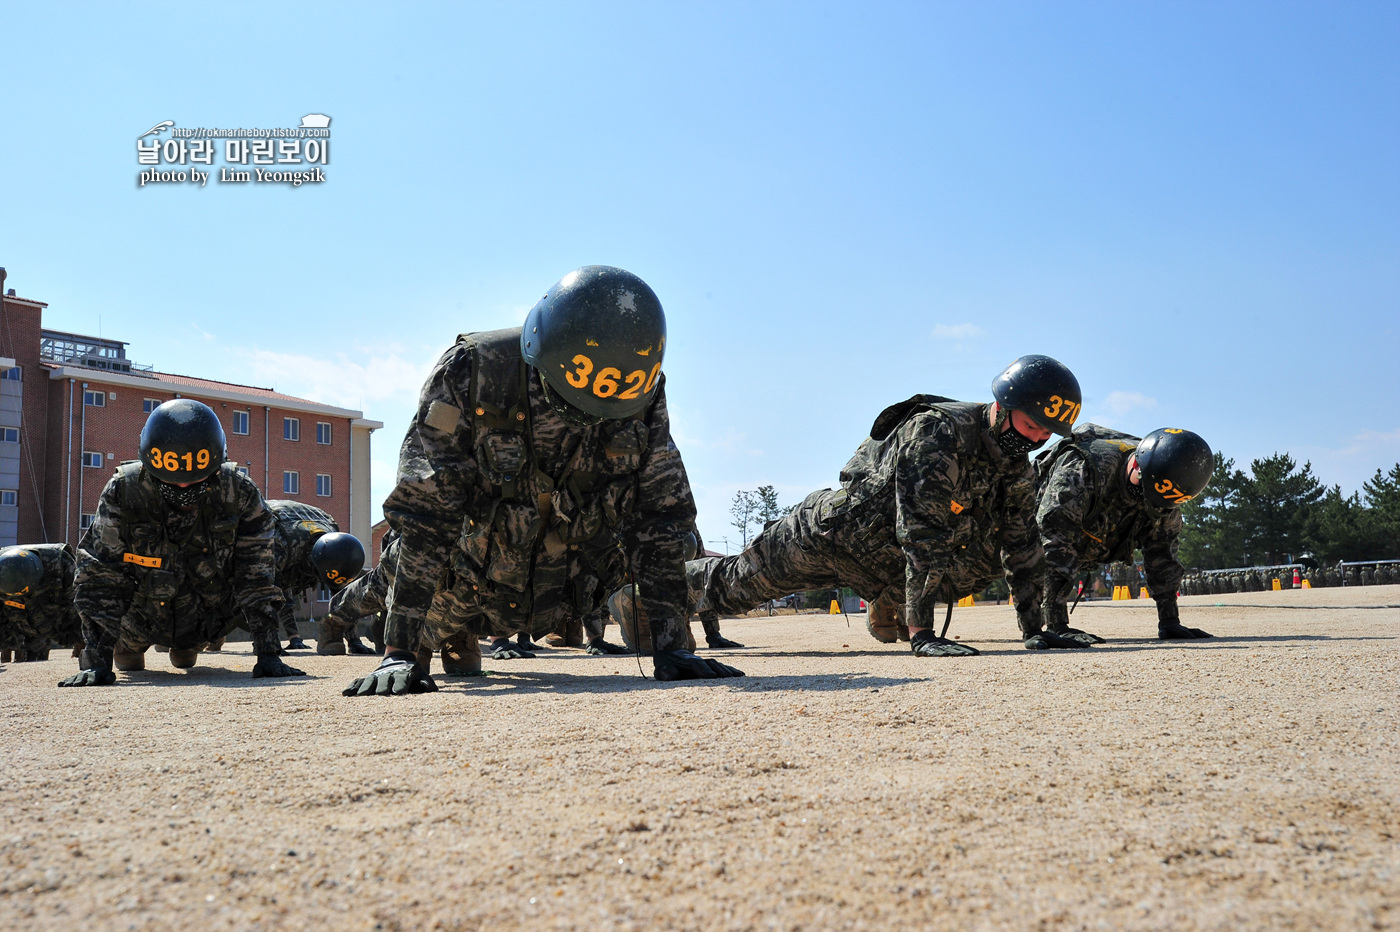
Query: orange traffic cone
pixel 1296 582
pixel 1142 593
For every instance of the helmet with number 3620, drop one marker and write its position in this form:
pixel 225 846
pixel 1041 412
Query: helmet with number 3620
pixel 597 338
pixel 182 442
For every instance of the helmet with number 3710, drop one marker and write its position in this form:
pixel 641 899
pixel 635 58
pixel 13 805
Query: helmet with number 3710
pixel 182 442
pixel 1043 389
pixel 597 337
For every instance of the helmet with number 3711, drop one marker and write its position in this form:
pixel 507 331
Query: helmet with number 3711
pixel 1176 465
pixel 597 337
pixel 182 442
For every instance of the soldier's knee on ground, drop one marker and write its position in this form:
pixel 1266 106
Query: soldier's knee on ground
pixel 461 655
pixel 129 657
pixel 183 658
pixel 883 619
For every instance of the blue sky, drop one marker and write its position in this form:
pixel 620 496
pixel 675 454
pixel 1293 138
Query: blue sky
pixel 1196 206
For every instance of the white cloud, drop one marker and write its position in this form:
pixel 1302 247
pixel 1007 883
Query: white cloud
pixel 958 331
pixel 1118 404
pixel 385 374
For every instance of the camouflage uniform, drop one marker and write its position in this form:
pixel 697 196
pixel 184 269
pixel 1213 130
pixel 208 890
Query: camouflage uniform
pixel 928 506
pixel 506 512
pixel 1087 516
pixel 151 574
pixel 32 621
pixel 298 527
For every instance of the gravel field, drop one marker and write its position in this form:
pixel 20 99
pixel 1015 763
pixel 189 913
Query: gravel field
pixel 1251 781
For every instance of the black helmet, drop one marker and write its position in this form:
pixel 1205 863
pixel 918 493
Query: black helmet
pixel 182 441
pixel 338 557
pixel 597 338
pixel 1042 389
pixel 20 570
pixel 1176 465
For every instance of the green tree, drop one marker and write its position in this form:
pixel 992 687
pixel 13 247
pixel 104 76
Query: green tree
pixel 1276 508
pixel 1382 495
pixel 1211 536
pixel 743 510
pixel 768 507
pixel 1342 528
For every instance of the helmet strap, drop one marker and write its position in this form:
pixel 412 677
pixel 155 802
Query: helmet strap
pixel 567 412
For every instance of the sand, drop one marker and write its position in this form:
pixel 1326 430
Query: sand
pixel 1249 781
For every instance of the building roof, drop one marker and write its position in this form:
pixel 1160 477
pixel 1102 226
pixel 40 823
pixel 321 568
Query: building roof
pixel 31 301
pixel 205 388
pixel 192 382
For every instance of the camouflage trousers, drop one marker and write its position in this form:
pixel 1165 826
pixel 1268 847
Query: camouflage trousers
pixel 195 630
pixel 454 611
pixel 794 554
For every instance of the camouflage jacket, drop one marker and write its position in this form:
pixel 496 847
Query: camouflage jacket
pixel 47 612
pixel 141 554
pixel 931 490
pixel 1087 517
pixel 298 526
pixel 499 500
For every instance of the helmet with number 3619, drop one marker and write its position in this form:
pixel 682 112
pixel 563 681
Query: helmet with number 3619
pixel 182 442
pixel 597 337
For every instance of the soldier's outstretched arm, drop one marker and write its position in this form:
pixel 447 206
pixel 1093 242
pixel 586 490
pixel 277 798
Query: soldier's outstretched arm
pixel 1065 501
pixel 1164 571
pixel 658 541
pixel 437 475
pixel 926 471
pixel 102 589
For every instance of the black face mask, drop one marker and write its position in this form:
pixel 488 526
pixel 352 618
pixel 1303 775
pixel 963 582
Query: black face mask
pixel 567 412
pixel 1134 490
pixel 183 499
pixel 1015 443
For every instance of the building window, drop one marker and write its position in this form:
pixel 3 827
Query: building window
pixel 323 594
pixel 323 485
pixel 243 470
pixel 9 497
pixel 12 373
pixel 149 404
pixel 93 460
pixel 323 433
pixel 240 422
pixel 85 521
pixel 291 428
pixel 9 434
pixel 291 482
pixel 95 399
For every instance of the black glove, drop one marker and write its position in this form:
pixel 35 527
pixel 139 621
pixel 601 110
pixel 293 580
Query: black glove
pixel 720 642
pixel 269 665
pixel 928 644
pixel 503 649
pixel 1074 634
pixel 1179 632
pixel 1052 640
pixel 672 665
pixel 599 647
pixel 97 672
pixel 397 674
pixel 94 677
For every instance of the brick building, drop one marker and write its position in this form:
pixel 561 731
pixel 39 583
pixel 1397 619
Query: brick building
pixel 72 408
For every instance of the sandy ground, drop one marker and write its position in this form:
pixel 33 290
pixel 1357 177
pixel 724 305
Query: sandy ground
pixel 1247 782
